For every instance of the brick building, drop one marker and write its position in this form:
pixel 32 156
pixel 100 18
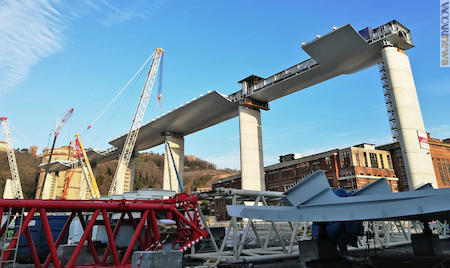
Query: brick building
pixel 440 155
pixel 350 168
pixel 362 164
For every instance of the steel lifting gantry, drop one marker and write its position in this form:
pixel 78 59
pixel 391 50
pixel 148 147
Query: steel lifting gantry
pixel 181 210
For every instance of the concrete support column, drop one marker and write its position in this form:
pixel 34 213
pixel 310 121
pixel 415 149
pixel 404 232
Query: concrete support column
pixel 129 174
pixel 418 163
pixel 252 165
pixel 170 181
pixel 8 193
pixel 48 191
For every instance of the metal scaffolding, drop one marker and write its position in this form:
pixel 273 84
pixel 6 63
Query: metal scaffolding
pixel 280 240
pixel 180 211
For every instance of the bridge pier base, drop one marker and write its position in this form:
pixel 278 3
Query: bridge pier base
pixel 410 126
pixel 170 181
pixel 252 165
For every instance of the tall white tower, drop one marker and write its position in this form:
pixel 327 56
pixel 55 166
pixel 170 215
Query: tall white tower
pixel 407 119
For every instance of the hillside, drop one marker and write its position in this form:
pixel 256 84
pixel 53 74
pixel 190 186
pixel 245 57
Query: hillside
pixel 149 172
pixel 28 171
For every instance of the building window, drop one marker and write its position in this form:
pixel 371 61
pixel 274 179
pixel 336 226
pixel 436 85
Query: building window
pixel 366 164
pixel 389 162
pixel 448 166
pixel 345 158
pixel 381 161
pixel 373 160
pixel 357 159
pixel 444 168
pixel 441 173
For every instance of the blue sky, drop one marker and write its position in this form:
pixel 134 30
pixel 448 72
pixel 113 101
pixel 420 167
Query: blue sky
pixel 55 55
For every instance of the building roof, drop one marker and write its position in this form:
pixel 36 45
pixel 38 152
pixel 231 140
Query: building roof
pixel 364 145
pixel 302 160
pixel 391 145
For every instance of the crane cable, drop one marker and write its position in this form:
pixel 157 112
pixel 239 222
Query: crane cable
pixel 120 92
pixel 114 112
pixel 28 142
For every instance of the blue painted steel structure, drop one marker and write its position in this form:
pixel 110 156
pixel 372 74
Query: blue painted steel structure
pixel 313 200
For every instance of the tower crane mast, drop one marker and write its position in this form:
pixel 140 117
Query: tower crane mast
pixel 13 187
pixel 118 183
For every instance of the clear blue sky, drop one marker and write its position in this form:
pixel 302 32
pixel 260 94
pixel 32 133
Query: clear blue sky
pixel 60 54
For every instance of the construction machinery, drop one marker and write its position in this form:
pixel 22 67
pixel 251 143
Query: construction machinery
pixel 86 169
pixel 13 187
pixel 59 126
pixel 118 184
pixel 13 190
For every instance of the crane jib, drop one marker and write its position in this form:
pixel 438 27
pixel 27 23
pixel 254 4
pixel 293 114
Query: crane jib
pixel 118 183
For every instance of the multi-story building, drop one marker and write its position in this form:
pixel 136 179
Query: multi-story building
pixel 350 168
pixel 440 155
pixel 362 164
pixel 281 176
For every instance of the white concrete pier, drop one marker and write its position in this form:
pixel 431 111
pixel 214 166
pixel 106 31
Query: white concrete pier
pixel 417 159
pixel 170 181
pixel 252 164
pixel 129 174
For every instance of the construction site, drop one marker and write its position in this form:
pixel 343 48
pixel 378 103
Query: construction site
pixel 316 220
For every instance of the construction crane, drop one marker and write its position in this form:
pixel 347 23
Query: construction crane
pixel 88 178
pixel 86 169
pixel 59 126
pixel 118 183
pixel 13 187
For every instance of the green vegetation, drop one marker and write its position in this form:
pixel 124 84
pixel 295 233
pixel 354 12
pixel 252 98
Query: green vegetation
pixel 149 172
pixel 28 171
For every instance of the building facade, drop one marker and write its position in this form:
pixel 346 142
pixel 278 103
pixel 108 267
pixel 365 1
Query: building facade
pixel 362 164
pixel 440 155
